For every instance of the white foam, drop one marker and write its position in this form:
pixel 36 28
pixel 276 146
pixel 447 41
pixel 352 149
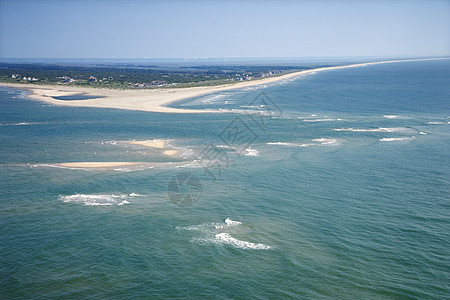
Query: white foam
pixel 135 195
pixel 96 199
pixel 422 133
pixel 214 98
pixel 398 139
pixel 251 152
pixel 290 144
pixel 223 146
pixel 249 106
pixel 317 142
pixel 437 122
pixel 219 233
pixel 230 222
pixel 18 124
pixel 391 116
pixel 325 141
pixel 226 238
pixel 227 224
pixel 322 120
pixel 282 144
pixel 380 129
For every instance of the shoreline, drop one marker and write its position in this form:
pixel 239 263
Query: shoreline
pixel 156 100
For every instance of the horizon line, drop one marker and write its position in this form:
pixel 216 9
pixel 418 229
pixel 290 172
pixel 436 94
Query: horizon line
pixel 227 58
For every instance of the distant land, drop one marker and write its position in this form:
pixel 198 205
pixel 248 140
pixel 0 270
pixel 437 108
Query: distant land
pixel 157 73
pixel 139 76
pixel 93 86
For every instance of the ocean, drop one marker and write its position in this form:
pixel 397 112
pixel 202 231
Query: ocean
pixel 333 185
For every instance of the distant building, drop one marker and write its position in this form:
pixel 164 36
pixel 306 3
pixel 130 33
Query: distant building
pixel 67 79
pixel 92 79
pixel 140 85
pixel 158 82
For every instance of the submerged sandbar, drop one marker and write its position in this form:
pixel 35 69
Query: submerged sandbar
pixel 158 144
pixel 97 164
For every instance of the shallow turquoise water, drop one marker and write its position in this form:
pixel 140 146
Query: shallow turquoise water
pixel 343 195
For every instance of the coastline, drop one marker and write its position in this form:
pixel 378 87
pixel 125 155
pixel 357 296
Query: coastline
pixel 156 100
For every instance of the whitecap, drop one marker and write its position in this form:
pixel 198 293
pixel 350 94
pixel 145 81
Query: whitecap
pixel 380 129
pixel 135 195
pixel 398 139
pixel 16 124
pixel 437 122
pixel 251 152
pixel 317 142
pixel 220 233
pixel 322 120
pixel 325 141
pixel 230 222
pixel 390 116
pixel 95 199
pixel 282 144
pixel 223 146
pixel 226 238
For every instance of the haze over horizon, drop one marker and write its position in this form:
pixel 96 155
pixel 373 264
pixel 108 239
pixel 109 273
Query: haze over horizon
pixel 245 29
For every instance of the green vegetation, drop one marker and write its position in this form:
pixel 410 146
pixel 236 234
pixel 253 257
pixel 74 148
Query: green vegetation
pixel 132 77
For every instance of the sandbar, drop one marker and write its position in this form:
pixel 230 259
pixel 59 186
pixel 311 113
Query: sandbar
pixel 96 164
pixel 113 165
pixel 158 144
pixel 170 152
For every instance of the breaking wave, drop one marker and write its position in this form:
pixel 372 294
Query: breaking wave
pixel 251 152
pixel 398 139
pixel 380 129
pixel 221 234
pixel 98 199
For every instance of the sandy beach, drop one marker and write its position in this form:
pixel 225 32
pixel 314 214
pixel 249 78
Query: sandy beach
pixel 155 100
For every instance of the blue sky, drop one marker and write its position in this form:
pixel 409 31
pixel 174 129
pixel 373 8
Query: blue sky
pixel 204 29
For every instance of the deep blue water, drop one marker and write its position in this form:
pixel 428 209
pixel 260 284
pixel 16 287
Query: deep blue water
pixel 343 195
